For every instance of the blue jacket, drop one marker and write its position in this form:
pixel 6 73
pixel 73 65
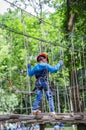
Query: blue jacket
pixel 41 68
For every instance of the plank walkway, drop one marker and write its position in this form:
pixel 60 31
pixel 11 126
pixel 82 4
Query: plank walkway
pixel 46 118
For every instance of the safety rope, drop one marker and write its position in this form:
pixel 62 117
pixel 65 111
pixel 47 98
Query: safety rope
pixel 73 92
pixel 66 93
pixel 10 70
pixel 26 60
pixel 76 89
pixel 82 71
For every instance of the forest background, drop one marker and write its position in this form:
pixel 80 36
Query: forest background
pixel 23 35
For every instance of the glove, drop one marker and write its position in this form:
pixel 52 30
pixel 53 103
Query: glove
pixel 29 66
pixel 61 62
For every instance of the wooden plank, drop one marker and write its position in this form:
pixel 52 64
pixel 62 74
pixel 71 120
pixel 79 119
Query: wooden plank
pixel 4 117
pixel 45 118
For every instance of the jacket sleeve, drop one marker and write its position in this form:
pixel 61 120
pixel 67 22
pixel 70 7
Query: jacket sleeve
pixel 31 72
pixel 38 67
pixel 42 66
pixel 53 69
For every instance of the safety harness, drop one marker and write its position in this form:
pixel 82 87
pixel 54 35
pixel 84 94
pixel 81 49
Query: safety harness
pixel 42 76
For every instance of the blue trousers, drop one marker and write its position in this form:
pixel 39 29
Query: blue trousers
pixel 40 86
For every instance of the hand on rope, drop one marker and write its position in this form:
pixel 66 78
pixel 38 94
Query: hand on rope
pixel 29 66
pixel 61 62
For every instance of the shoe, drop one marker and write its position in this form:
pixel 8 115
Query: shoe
pixel 35 112
pixel 53 114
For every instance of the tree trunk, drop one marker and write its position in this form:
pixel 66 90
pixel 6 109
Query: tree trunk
pixel 75 93
pixel 70 16
pixel 76 98
pixel 77 102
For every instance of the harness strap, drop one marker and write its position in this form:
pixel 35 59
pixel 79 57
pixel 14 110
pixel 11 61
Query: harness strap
pixel 40 88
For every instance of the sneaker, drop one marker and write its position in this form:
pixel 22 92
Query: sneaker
pixel 35 112
pixel 53 114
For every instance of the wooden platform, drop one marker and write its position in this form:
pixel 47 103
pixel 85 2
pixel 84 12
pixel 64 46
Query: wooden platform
pixel 46 118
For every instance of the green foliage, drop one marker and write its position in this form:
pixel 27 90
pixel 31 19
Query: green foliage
pixel 8 102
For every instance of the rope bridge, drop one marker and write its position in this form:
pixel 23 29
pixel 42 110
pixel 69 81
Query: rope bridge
pixel 17 91
pixel 65 111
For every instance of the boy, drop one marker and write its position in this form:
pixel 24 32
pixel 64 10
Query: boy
pixel 41 71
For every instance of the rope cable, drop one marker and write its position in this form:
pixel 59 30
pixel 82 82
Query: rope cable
pixel 2 101
pixel 54 91
pixel 10 70
pixel 75 76
pixel 57 96
pixel 58 99
pixel 83 46
pixel 65 86
pixel 82 73
pixel 82 83
pixel 84 60
pixel 21 96
pixel 30 14
pixel 2 92
pixel 26 60
pixel 73 92
pixel 24 40
pixel 42 40
pixel 66 98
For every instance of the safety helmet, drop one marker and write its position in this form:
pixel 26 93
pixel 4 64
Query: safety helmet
pixel 39 57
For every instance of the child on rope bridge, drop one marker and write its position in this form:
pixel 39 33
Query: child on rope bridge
pixel 41 71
